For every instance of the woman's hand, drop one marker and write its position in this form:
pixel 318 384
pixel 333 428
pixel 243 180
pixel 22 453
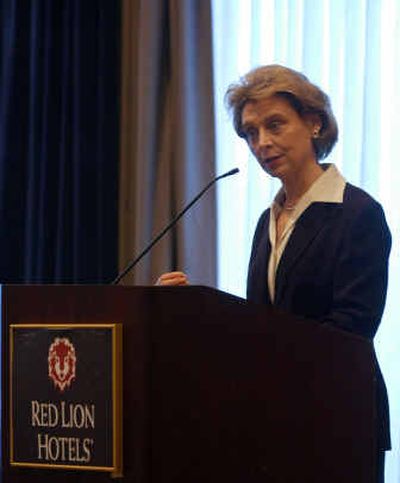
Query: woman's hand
pixel 173 278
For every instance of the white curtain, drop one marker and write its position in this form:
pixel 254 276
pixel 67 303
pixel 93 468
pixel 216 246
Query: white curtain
pixel 351 49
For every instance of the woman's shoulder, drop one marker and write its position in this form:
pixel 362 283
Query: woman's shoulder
pixel 354 194
pixel 357 200
pixel 360 205
pixel 264 215
pixel 262 224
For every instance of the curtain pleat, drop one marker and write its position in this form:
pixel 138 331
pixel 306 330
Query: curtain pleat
pixel 167 143
pixel 59 140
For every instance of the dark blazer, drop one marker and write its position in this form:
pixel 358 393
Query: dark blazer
pixel 334 270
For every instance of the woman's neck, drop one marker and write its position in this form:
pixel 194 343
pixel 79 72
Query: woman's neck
pixel 299 184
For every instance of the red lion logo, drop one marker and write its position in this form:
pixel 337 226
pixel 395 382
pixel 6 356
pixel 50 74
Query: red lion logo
pixel 62 363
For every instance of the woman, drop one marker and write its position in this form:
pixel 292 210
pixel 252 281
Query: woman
pixel 321 250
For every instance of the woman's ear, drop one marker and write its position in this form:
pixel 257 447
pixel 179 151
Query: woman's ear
pixel 314 123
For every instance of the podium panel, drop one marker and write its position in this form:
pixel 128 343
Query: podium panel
pixel 214 389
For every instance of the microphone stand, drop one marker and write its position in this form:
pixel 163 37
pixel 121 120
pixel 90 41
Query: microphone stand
pixel 133 262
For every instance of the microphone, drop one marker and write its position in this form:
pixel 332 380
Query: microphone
pixel 133 262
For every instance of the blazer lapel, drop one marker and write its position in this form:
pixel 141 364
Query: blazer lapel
pixel 306 229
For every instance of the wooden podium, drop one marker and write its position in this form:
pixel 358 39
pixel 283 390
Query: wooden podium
pixel 215 389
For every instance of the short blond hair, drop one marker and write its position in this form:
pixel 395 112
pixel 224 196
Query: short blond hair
pixel 305 97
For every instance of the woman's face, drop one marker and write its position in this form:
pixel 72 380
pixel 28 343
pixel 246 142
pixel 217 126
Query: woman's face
pixel 278 137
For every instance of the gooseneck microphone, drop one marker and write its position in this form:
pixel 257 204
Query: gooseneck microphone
pixel 133 262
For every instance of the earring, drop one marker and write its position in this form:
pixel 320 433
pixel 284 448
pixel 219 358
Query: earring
pixel 316 133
